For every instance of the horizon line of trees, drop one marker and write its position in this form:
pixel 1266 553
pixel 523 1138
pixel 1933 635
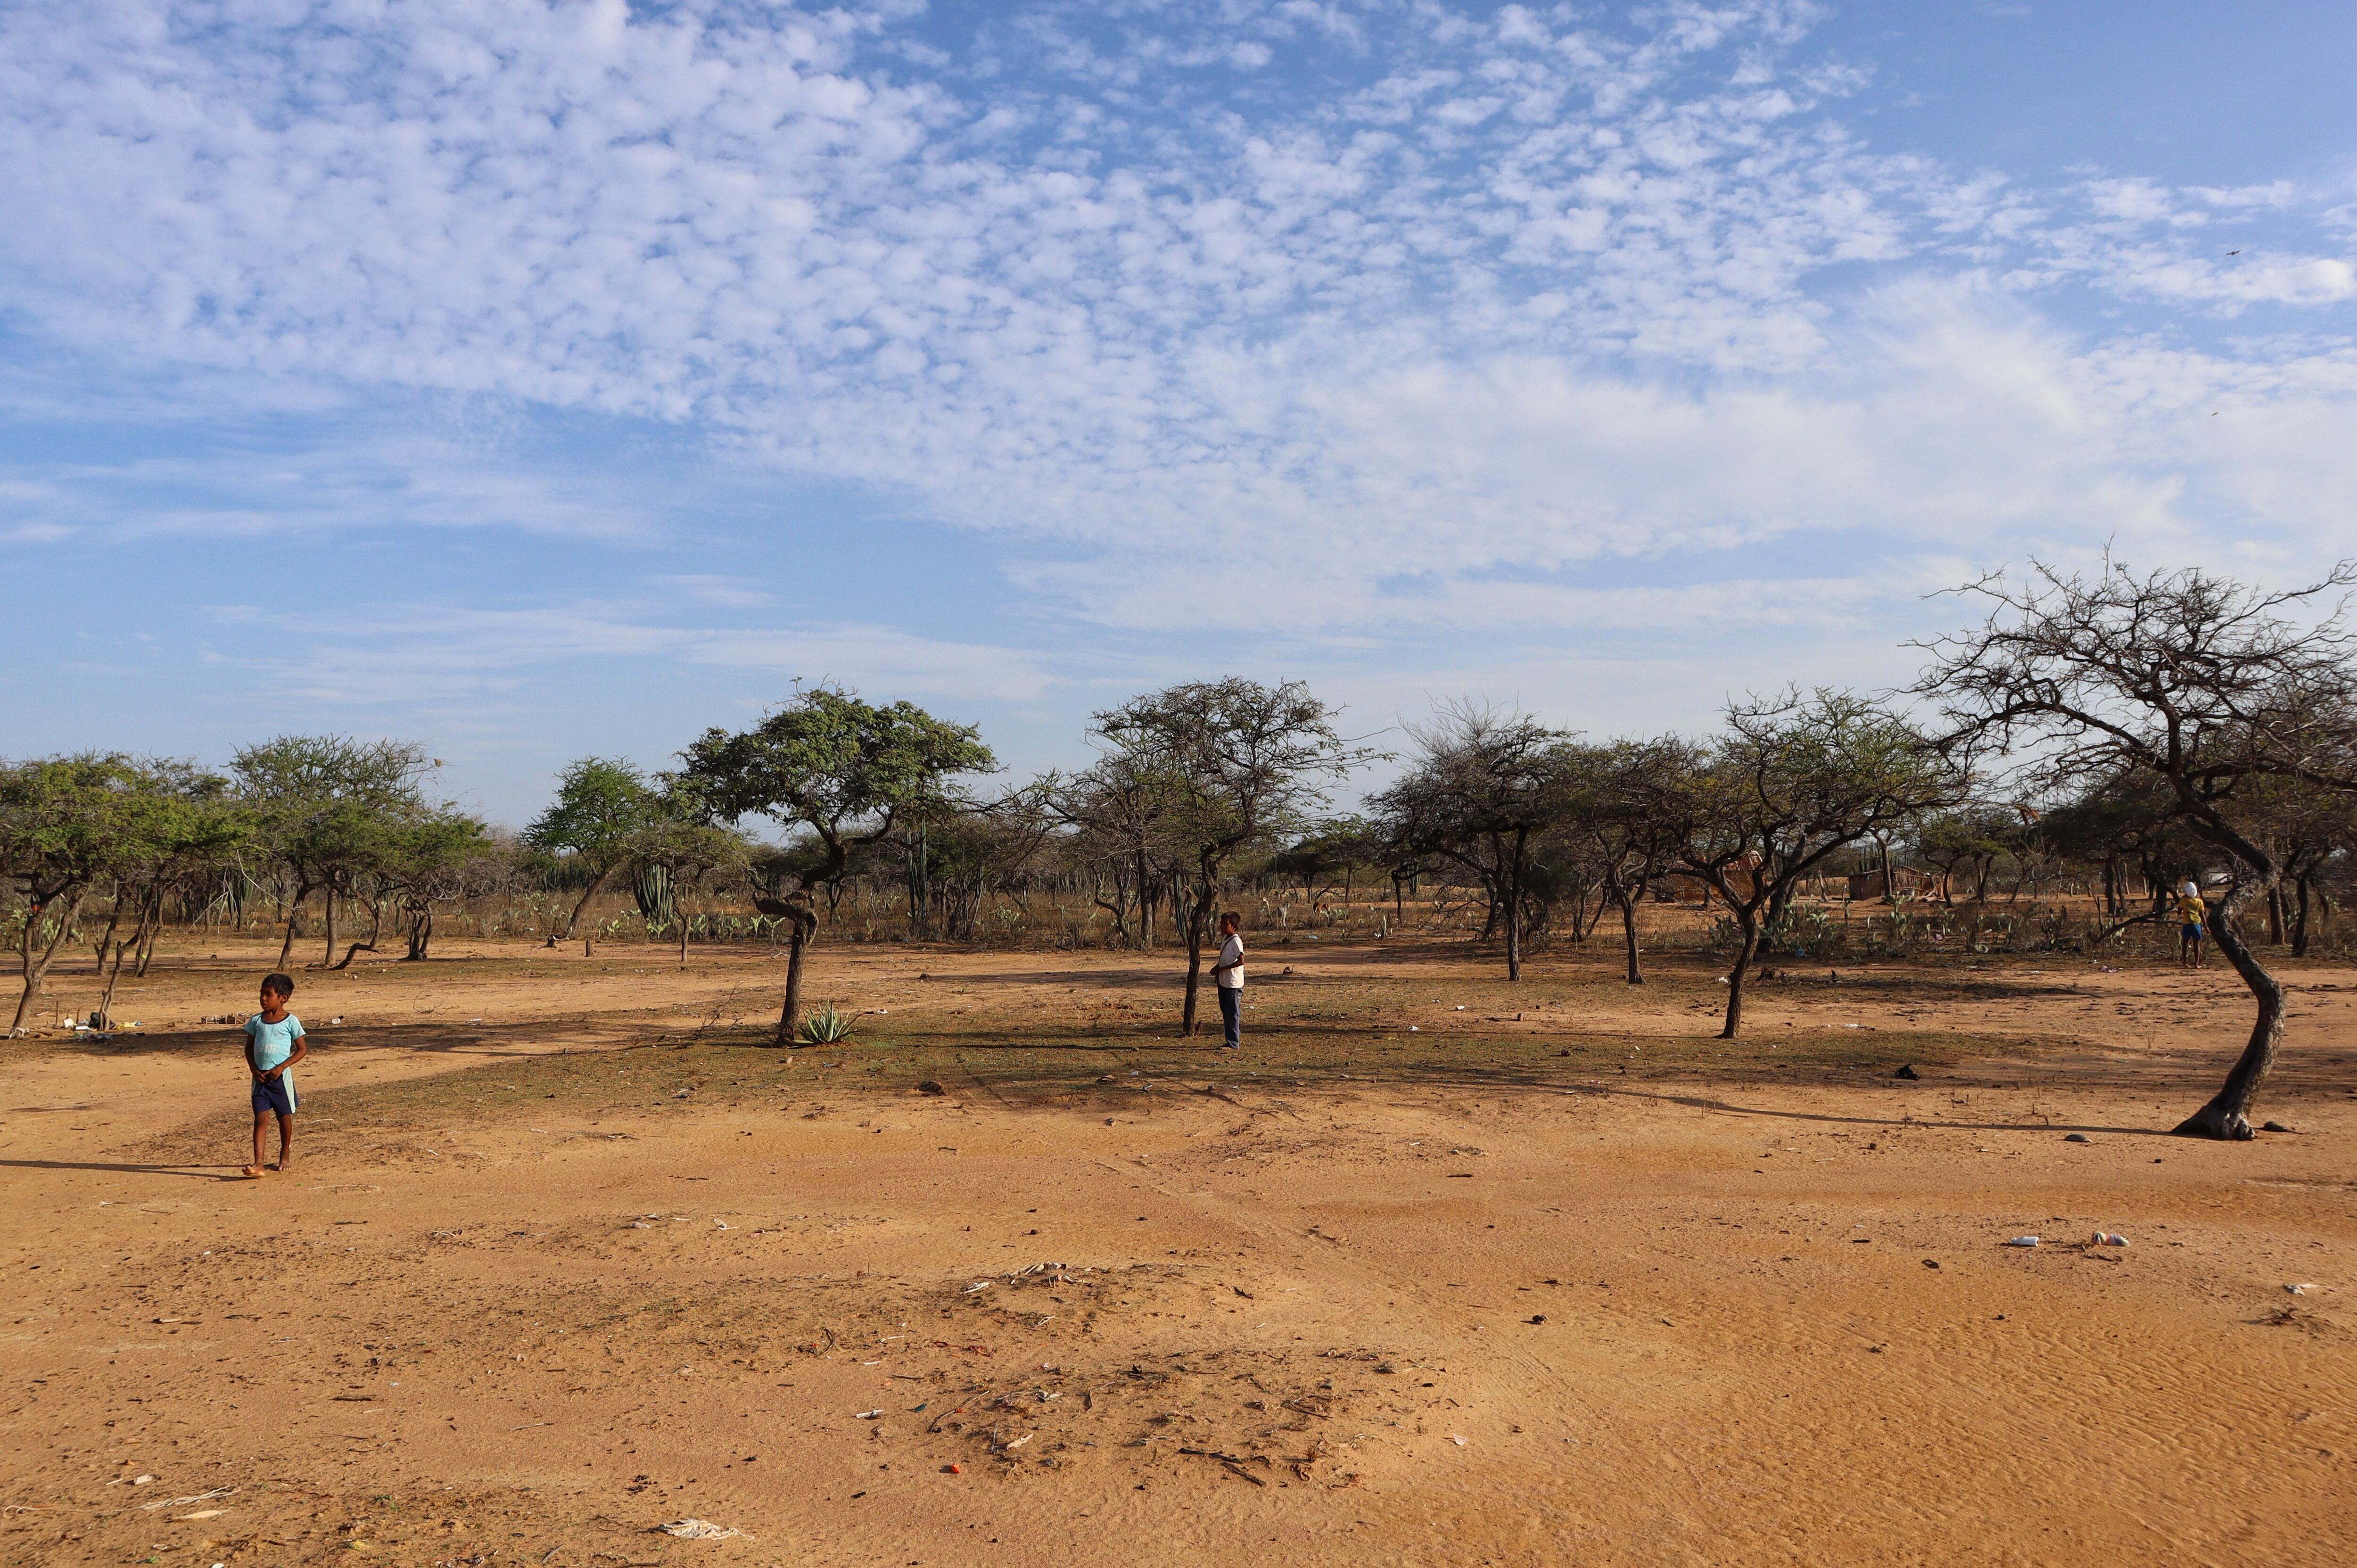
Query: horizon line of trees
pixel 2149 729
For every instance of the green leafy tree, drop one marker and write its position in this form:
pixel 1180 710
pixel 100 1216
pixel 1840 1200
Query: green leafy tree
pixel 438 857
pixel 1792 781
pixel 601 804
pixel 66 824
pixel 1238 766
pixel 680 843
pixel 840 772
pixel 179 826
pixel 327 811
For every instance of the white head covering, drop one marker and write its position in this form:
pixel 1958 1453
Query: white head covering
pixel 2193 890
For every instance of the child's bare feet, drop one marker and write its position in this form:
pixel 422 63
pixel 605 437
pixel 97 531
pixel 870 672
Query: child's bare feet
pixel 254 1170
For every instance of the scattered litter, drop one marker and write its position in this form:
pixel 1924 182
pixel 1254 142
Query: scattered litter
pixel 145 1480
pixel 2107 1239
pixel 2077 1138
pixel 200 1513
pixel 720 1225
pixel 2299 1290
pixel 976 1287
pixel 929 1087
pixel 681 1093
pixel 1413 1029
pixel 698 1530
pixel 870 1415
pixel 952 1470
pixel 213 1496
pixel 2022 1242
pixel 1908 1072
pixel 1457 1440
pixel 337 1019
pixel 2273 1127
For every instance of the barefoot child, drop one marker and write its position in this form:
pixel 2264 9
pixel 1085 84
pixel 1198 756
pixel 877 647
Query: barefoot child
pixel 273 1044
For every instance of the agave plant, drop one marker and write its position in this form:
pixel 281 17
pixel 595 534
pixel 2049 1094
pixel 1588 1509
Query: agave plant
pixel 826 1026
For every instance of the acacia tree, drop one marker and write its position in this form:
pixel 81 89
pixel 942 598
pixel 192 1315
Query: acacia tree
pixel 1607 792
pixel 329 808
pixel 601 802
pixel 1483 786
pixel 176 824
pixel 1123 809
pixel 64 824
pixel 684 846
pixel 1243 765
pixel 841 772
pixel 438 857
pixel 1791 782
pixel 2196 682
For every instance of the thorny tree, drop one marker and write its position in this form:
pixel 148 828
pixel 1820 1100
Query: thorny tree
pixel 64 823
pixel 1604 792
pixel 1484 785
pixel 1244 766
pixel 601 806
pixel 841 772
pixel 328 808
pixel 1792 782
pixel 2197 682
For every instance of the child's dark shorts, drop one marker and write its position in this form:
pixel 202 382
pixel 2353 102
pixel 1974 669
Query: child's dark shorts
pixel 275 1094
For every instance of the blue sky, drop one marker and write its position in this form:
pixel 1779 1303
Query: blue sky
pixel 538 379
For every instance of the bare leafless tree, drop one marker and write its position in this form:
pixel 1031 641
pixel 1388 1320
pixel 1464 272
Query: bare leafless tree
pixel 2194 681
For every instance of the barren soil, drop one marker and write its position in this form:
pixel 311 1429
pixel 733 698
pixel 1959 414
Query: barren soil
pixel 1437 1270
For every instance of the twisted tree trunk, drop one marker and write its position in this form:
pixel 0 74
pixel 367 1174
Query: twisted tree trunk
pixel 2228 1114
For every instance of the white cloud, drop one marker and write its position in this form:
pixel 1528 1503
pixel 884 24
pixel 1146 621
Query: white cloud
pixel 1501 297
pixel 405 656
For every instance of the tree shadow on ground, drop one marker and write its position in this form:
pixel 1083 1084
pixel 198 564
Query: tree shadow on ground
pixel 224 1173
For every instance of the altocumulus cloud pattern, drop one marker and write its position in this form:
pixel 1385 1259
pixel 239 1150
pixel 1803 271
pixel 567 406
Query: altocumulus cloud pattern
pixel 1377 297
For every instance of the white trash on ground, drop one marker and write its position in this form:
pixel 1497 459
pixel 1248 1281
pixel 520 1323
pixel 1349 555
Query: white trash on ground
pixel 2022 1242
pixel 698 1530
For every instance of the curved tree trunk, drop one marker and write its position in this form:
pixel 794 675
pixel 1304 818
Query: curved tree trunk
pixel 1743 956
pixel 582 903
pixel 294 913
pixel 36 968
pixel 2228 1114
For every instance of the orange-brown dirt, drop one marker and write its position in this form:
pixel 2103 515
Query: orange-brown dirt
pixel 1438 1270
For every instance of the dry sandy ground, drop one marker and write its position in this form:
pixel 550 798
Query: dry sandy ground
pixel 1442 1271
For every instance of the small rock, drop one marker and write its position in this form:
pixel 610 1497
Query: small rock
pixel 2077 1138
pixel 1931 1263
pixel 2273 1127
pixel 1906 1072
pixel 930 1087
pixel 1541 1318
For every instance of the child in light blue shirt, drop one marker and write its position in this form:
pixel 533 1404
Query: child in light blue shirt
pixel 273 1044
